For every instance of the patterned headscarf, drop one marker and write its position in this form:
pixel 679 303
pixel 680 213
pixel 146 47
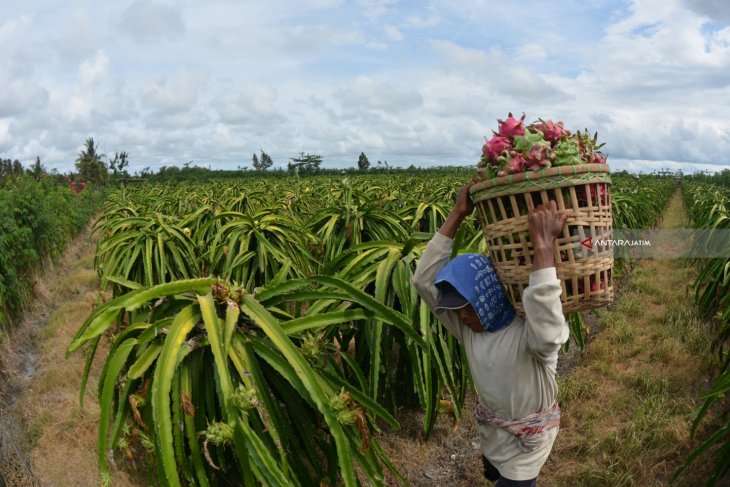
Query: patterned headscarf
pixel 476 281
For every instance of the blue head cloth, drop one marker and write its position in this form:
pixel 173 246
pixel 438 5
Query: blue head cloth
pixel 476 282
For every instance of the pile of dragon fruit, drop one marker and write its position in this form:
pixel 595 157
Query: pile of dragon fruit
pixel 517 148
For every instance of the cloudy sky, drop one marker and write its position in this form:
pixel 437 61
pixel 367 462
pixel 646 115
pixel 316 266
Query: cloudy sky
pixel 410 82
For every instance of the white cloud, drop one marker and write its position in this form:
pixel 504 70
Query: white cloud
pixel 255 108
pixel 5 139
pixel 10 30
pixel 323 4
pixel 531 52
pixel 174 95
pixel 716 10
pixel 401 81
pixel 498 73
pixel 17 97
pixel 94 70
pixel 419 22
pixel 79 37
pixel 393 33
pixel 376 8
pixel 147 21
pixel 364 92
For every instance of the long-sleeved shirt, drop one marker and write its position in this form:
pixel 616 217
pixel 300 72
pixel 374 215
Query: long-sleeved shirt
pixel 514 369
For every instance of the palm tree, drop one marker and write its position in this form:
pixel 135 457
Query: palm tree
pixel 90 165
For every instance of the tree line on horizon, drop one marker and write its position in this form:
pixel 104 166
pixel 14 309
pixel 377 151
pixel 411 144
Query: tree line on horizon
pixel 96 168
pixel 92 168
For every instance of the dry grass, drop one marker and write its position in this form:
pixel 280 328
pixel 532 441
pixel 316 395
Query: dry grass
pixel 60 439
pixel 451 456
pixel 643 372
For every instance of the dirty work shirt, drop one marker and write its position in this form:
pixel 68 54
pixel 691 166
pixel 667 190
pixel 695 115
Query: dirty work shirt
pixel 514 368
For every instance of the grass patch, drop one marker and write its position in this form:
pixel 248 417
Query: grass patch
pixel 629 404
pixel 617 327
pixel 654 426
pixel 576 387
pixel 682 323
pixel 668 351
pixel 594 475
pixel 645 383
pixel 644 287
pixel 630 305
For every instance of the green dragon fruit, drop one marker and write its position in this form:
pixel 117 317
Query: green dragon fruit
pixel 219 433
pixel 245 399
pixel 588 147
pixel 567 153
pixel 523 143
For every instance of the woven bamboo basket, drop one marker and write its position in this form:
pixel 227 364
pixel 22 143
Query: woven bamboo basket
pixel 585 273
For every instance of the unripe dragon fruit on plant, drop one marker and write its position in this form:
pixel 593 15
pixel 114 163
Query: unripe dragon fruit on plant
pixel 517 147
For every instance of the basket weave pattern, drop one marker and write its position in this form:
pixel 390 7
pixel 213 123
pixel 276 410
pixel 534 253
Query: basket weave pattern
pixel 502 206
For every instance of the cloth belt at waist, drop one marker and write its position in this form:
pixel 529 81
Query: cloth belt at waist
pixel 529 430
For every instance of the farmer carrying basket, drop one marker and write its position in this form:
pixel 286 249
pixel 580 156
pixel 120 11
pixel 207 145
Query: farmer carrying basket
pixel 513 360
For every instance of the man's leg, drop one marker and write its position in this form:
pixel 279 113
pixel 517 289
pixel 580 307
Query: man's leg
pixel 490 471
pixel 503 482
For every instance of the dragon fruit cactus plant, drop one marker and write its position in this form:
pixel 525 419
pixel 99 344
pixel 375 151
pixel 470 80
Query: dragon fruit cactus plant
pixel 516 147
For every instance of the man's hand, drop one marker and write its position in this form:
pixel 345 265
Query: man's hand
pixel 545 225
pixel 462 209
pixel 464 206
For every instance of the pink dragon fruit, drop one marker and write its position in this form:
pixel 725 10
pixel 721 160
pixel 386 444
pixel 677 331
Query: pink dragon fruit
pixel 598 191
pixel 494 147
pixel 538 157
pixel 517 147
pixel 511 162
pixel 512 126
pixel 594 288
pixel 552 131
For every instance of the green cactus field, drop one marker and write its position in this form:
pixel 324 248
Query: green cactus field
pixel 265 332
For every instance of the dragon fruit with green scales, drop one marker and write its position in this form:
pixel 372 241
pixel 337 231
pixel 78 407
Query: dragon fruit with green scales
pixel 552 131
pixel 516 147
pixel 567 153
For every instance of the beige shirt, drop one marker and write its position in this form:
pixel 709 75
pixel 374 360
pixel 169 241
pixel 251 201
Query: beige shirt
pixel 514 368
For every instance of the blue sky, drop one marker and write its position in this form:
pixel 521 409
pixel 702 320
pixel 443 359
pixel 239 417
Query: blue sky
pixel 408 82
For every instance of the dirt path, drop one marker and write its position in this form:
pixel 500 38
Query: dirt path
pixel 627 402
pixel 52 439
